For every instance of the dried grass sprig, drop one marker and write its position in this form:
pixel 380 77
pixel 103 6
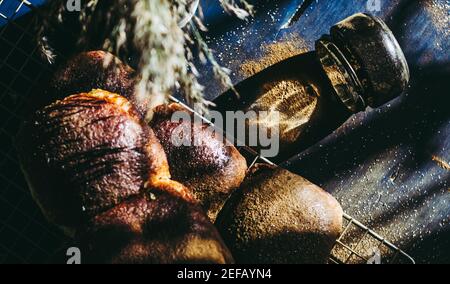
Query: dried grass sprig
pixel 149 28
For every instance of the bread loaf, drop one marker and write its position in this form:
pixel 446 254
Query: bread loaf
pixel 279 217
pixel 93 166
pixel 94 70
pixel 155 227
pixel 212 168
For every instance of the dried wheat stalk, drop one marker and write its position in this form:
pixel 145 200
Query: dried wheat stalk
pixel 151 28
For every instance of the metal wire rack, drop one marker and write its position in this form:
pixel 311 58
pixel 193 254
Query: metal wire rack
pixel 25 237
pixel 357 244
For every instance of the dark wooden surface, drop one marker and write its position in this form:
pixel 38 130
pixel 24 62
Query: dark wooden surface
pixel 388 167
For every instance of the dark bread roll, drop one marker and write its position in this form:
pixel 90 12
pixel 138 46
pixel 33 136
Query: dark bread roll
pixel 87 71
pixel 279 217
pixel 88 153
pixel 98 171
pixel 212 169
pixel 156 227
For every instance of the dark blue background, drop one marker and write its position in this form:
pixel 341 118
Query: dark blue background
pixel 9 7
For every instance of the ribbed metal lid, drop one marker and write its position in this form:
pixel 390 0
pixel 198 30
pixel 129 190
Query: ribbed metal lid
pixel 363 61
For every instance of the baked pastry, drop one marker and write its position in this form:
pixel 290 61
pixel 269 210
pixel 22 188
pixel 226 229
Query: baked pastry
pixel 278 217
pixel 87 153
pixel 94 70
pixel 93 165
pixel 212 168
pixel 155 227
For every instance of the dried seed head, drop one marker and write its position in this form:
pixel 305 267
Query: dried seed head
pixel 149 29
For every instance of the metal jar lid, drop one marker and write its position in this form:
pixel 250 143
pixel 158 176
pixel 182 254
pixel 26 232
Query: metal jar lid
pixel 363 61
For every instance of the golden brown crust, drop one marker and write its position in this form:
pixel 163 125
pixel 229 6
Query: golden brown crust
pixel 279 217
pixel 156 227
pixel 96 169
pixel 87 71
pixel 212 169
pixel 87 153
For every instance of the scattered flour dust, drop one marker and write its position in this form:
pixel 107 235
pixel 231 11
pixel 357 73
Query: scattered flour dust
pixel 274 53
pixel 294 101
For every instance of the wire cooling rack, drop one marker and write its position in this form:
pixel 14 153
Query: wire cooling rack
pixel 357 244
pixel 25 236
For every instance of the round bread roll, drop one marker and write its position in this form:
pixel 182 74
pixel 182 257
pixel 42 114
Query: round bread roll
pixel 212 168
pixel 278 217
pixel 99 172
pixel 94 70
pixel 156 228
pixel 87 153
